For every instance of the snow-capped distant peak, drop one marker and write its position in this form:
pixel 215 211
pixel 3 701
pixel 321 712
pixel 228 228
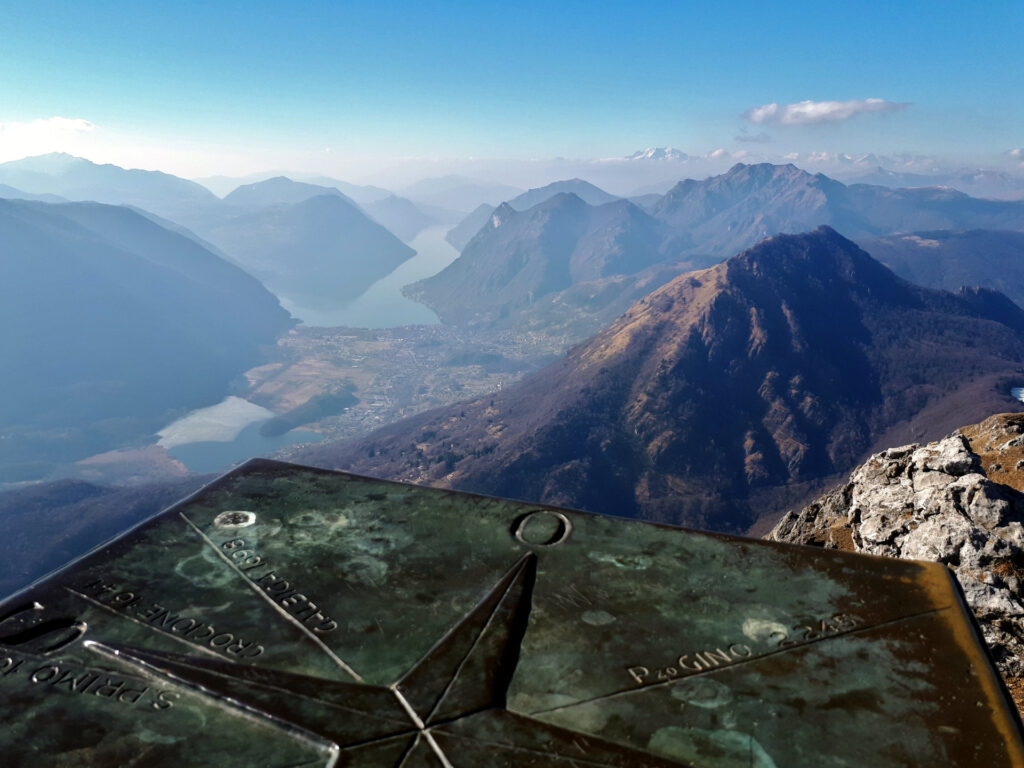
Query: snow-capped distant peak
pixel 658 153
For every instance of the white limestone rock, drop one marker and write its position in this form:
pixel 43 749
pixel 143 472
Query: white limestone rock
pixel 933 502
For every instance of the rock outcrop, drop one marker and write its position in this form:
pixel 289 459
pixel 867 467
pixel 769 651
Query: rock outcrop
pixel 957 501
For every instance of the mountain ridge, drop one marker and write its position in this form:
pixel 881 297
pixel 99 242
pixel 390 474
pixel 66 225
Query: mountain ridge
pixel 460 235
pixel 78 179
pixel 776 368
pixel 704 221
pixel 279 190
pixel 520 256
pixel 319 252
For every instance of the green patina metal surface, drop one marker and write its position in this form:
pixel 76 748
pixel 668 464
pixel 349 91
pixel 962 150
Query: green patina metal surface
pixel 286 617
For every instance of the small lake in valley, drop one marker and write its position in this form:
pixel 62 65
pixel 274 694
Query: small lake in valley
pixel 382 305
pixel 219 436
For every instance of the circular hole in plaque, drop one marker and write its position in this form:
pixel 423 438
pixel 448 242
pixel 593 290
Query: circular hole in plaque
pixel 235 518
pixel 542 528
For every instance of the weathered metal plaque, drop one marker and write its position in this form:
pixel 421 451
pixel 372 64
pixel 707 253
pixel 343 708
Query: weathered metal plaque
pixel 287 617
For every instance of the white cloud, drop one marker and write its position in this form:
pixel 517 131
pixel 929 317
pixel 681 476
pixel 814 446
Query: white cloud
pixel 42 135
pixel 810 112
pixel 1017 154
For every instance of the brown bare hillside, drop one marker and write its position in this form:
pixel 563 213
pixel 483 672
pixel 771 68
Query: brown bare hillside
pixel 724 390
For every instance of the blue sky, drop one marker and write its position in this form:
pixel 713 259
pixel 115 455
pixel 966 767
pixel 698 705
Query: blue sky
pixel 238 86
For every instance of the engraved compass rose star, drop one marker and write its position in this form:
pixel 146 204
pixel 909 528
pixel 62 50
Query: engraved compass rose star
pixel 448 710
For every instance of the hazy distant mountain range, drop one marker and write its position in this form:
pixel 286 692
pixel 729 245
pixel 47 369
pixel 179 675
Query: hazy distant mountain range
pixel 350 242
pixel 360 193
pixel 458 193
pixel 400 216
pixel 222 186
pixel 722 392
pixel 77 179
pixel 996 185
pixel 327 254
pixel 695 223
pixel 313 255
pixel 903 171
pixel 279 190
pixel 10 193
pixel 119 323
pixel 584 190
pixel 396 214
pixel 726 213
pixel 463 232
pixel 319 252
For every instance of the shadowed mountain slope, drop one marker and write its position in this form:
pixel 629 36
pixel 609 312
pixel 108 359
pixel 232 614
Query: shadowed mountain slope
pixel 119 321
pixel 992 259
pixel 519 257
pixel 50 524
pixel 720 391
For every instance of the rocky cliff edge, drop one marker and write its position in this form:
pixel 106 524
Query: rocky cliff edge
pixel 957 501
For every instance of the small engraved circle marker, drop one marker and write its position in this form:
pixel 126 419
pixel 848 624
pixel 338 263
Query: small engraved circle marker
pixel 542 528
pixel 236 518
